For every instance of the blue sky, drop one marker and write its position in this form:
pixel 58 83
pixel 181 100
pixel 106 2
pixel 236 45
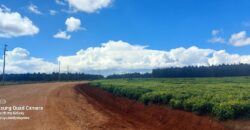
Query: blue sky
pixel 160 25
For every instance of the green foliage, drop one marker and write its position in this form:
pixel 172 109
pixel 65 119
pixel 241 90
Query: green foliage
pixel 232 109
pixel 202 71
pixel 132 93
pixel 224 98
pixel 156 98
pixel 176 103
pixel 198 105
pixel 43 77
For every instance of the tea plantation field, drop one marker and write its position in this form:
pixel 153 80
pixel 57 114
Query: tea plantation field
pixel 223 98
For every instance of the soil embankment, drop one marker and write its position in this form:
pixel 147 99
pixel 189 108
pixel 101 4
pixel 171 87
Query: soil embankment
pixel 129 113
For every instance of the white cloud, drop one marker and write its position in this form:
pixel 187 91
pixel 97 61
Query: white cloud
pixel 19 61
pixel 34 9
pixel 89 6
pixel 12 24
pixel 73 24
pixel 216 40
pixel 215 37
pixel 52 12
pixel 222 56
pixel 62 35
pixel 216 32
pixel 240 39
pixel 120 57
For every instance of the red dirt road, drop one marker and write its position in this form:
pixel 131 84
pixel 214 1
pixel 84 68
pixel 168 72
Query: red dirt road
pixel 75 106
pixel 63 108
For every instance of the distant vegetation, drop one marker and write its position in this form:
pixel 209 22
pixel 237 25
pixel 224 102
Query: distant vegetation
pixel 50 77
pixel 204 71
pixel 191 71
pixel 223 98
pixel 130 75
pixel 172 72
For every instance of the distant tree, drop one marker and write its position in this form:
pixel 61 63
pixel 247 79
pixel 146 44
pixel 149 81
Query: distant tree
pixel 51 77
pixel 203 71
pixel 129 75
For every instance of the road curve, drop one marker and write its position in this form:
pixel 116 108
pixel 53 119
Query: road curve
pixel 68 108
pixel 64 109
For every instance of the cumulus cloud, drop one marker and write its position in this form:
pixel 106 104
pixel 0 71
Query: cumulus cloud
pixel 89 6
pixel 73 24
pixel 222 57
pixel 239 39
pixel 62 35
pixel 19 60
pixel 34 9
pixel 12 24
pixel 215 37
pixel 121 57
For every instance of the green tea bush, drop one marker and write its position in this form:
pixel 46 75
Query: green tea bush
pixel 224 98
pixel 232 110
pixel 132 93
pixel 156 98
pixel 182 96
pixel 224 111
pixel 176 103
pixel 197 105
pixel 188 105
pixel 121 90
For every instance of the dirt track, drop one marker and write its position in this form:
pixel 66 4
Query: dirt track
pixel 71 106
pixel 63 108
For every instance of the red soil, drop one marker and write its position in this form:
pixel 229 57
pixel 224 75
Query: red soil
pixel 127 113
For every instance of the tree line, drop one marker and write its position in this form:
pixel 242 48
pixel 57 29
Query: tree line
pixel 172 72
pixel 130 75
pixel 204 71
pixel 51 77
pixel 192 71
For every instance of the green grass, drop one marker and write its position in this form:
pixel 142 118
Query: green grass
pixel 223 98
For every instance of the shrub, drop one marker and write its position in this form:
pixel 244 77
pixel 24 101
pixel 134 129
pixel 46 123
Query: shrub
pixel 156 98
pixel 188 105
pixel 176 103
pixel 202 106
pixel 223 111
pixel 132 93
pixel 232 110
pixel 198 105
